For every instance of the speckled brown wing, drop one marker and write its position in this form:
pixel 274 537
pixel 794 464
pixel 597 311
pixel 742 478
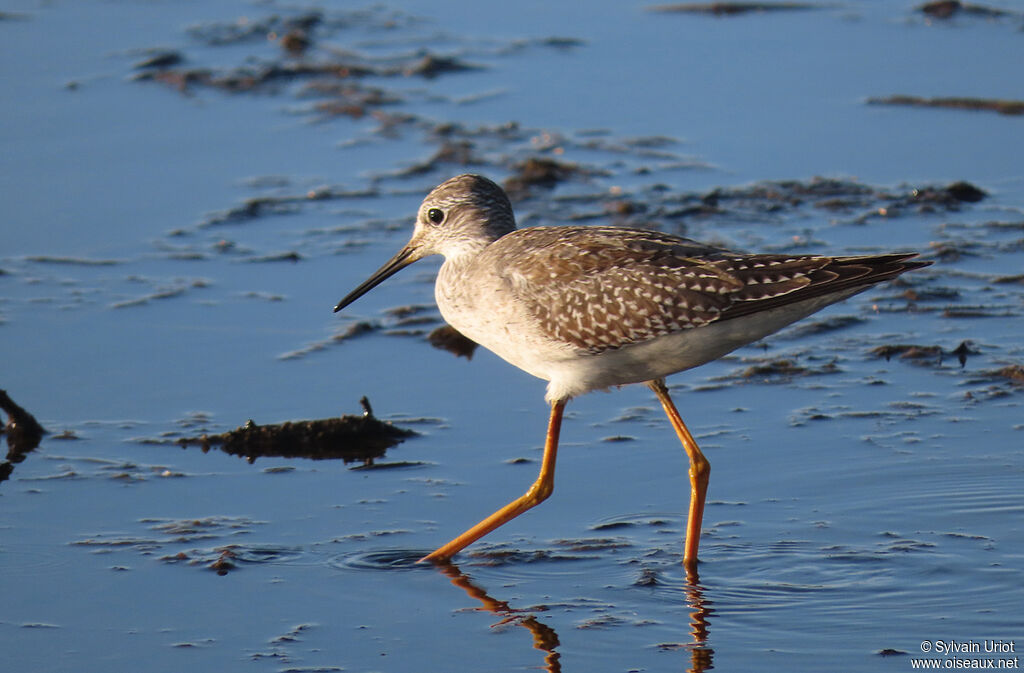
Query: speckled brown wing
pixel 601 288
pixel 773 281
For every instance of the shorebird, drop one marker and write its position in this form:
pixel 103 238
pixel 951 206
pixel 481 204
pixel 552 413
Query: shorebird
pixel 590 307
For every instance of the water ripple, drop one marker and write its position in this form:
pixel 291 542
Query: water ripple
pixel 382 559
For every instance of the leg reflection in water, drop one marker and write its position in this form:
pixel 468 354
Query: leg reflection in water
pixel 546 639
pixel 700 653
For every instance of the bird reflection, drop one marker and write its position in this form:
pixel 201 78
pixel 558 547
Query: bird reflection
pixel 700 609
pixel 546 639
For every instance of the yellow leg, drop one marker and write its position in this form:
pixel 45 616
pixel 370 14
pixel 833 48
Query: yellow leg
pixel 700 470
pixel 537 494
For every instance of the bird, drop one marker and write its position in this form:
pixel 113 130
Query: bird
pixel 594 307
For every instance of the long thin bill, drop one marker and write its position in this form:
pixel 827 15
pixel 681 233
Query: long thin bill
pixel 390 268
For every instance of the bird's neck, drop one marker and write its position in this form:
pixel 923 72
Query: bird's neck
pixel 462 251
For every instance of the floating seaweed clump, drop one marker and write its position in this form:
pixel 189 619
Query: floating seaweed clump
pixel 944 9
pixel 925 355
pixel 733 8
pixel 351 438
pixel 23 434
pixel 1006 107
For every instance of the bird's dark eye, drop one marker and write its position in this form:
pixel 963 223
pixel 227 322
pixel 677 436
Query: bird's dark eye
pixel 435 215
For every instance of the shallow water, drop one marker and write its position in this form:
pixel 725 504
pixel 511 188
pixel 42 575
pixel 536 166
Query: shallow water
pixel 858 505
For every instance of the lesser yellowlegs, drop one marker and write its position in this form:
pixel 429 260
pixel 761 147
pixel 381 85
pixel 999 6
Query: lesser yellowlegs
pixel 587 308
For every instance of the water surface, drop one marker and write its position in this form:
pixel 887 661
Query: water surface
pixel 858 506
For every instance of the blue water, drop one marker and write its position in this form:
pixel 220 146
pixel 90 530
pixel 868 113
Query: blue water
pixel 850 513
